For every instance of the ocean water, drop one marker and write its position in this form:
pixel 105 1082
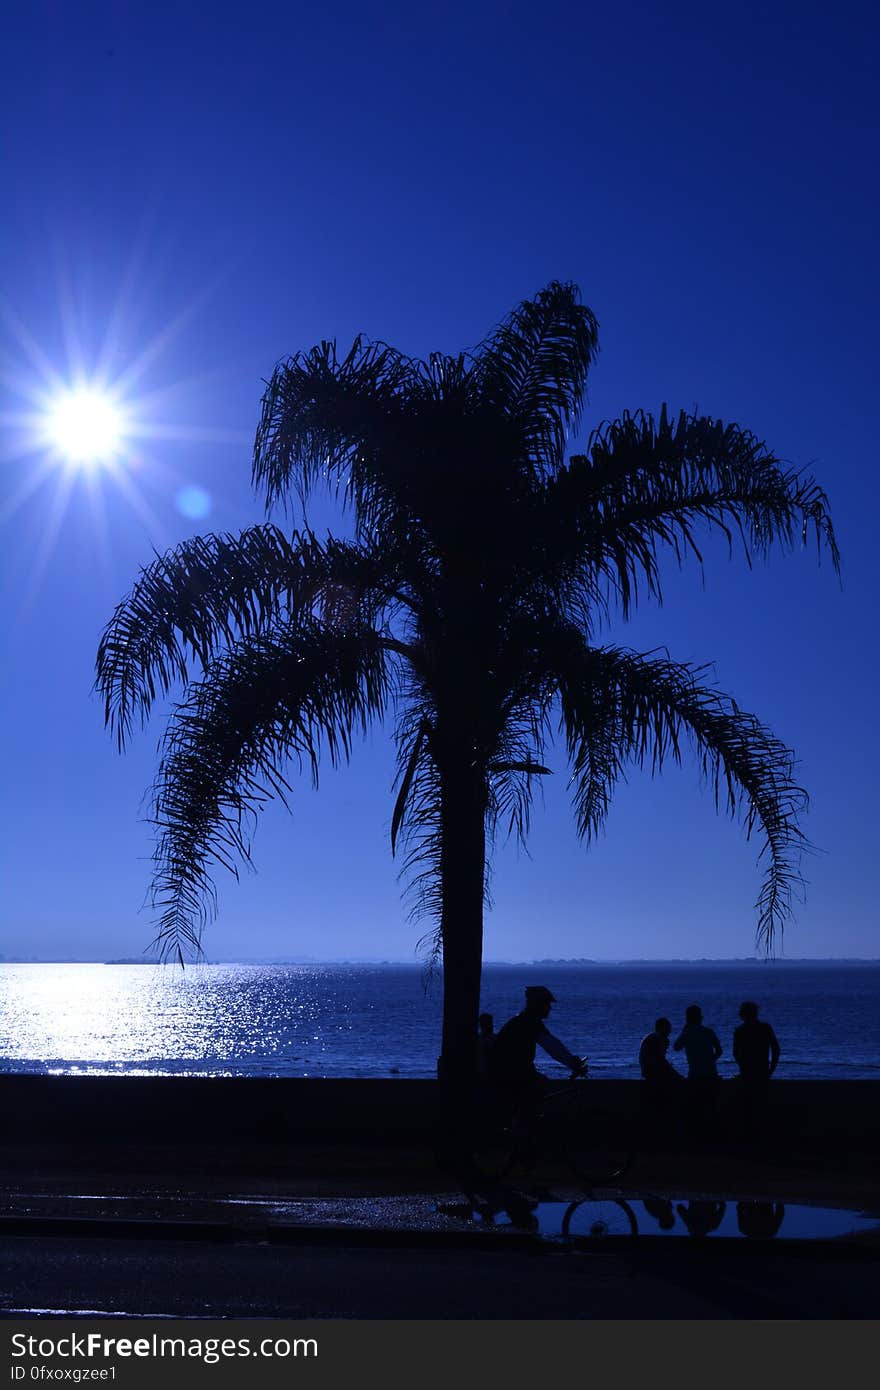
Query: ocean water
pixel 384 1020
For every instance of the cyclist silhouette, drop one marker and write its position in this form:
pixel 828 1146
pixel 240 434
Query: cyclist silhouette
pixel 512 1059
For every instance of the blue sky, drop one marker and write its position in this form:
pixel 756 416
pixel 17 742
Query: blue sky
pixel 191 194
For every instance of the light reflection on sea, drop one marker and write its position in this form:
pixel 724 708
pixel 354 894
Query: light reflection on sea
pixel 144 1019
pixel 375 1020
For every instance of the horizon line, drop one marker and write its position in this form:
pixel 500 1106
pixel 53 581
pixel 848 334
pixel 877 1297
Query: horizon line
pixel 389 960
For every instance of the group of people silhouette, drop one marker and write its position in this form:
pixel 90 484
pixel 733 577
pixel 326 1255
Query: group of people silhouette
pixel 755 1050
pixel 701 1216
pixel 506 1060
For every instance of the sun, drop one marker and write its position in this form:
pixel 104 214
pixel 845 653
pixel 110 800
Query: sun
pixel 86 427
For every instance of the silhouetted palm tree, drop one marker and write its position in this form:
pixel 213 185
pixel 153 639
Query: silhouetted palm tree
pixel 467 603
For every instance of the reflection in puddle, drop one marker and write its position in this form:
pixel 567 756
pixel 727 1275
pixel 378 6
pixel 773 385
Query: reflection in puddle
pixel 695 1218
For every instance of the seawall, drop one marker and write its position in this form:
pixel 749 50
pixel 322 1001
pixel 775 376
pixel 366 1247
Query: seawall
pixel 218 1110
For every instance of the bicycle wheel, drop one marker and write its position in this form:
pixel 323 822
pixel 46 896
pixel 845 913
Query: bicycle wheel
pixel 600 1148
pixel 602 1219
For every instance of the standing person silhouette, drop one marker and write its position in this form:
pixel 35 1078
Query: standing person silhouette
pixel 756 1052
pixel 702 1049
pixel 760 1220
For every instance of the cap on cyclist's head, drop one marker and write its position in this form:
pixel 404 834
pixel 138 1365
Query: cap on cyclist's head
pixel 539 994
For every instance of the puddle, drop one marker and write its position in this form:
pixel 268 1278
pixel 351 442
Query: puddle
pixel 695 1219
pixel 601 1216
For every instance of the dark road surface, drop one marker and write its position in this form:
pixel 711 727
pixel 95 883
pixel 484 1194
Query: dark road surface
pixel 58 1276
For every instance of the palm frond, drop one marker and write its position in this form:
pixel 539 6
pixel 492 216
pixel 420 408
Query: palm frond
pixel 648 484
pixel 199 598
pixel 407 778
pixel 186 605
pixel 533 369
pixel 648 706
pixel 513 763
pixel 416 824
pixel 331 419
pixel 276 697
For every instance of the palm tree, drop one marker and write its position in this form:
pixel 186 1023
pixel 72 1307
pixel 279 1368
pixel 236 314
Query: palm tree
pixel 467 604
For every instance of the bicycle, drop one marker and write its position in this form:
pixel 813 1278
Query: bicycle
pixel 561 1125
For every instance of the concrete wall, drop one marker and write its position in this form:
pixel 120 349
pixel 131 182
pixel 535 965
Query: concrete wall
pixel 266 1110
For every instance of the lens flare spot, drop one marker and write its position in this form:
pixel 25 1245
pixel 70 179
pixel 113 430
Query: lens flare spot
pixel 193 502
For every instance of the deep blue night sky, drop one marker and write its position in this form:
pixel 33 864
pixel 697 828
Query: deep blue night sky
pixel 191 192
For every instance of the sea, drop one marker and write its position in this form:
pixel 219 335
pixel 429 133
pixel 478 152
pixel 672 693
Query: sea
pixel 383 1020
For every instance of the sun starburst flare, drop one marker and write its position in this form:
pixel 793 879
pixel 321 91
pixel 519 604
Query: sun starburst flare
pixel 86 427
pixel 89 431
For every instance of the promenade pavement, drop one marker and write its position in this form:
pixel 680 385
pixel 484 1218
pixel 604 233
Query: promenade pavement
pixel 338 1231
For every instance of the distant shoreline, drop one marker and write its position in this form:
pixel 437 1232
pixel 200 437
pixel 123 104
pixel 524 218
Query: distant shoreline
pixel 550 963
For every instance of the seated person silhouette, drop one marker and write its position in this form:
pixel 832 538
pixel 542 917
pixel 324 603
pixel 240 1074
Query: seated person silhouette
pixel 660 1080
pixel 653 1061
pixel 485 1043
pixel 512 1070
pixel 661 1210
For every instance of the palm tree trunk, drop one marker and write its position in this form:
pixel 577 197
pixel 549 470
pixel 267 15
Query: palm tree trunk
pixel 463 867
